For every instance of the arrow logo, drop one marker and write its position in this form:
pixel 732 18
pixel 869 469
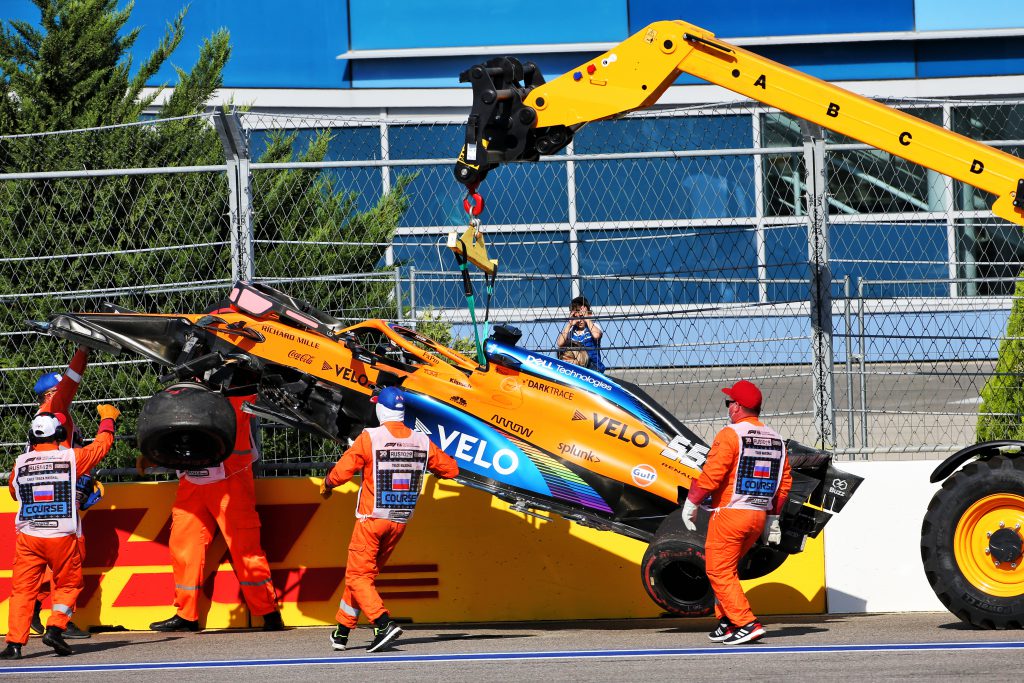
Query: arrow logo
pixel 577 415
pixel 420 427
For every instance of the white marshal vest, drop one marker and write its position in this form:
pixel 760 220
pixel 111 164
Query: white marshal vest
pixel 758 468
pixel 398 466
pixel 44 484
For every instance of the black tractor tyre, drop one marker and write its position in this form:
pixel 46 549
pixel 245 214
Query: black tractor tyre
pixel 673 569
pixel 978 513
pixel 186 426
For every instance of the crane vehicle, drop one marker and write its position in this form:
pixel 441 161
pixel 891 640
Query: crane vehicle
pixel 972 545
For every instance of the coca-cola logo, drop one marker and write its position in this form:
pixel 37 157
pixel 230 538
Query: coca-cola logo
pixel 301 357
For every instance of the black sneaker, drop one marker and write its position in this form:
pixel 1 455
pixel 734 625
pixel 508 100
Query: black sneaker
pixel 72 632
pixel 384 635
pixel 37 623
pixel 723 631
pixel 339 639
pixel 175 623
pixel 273 621
pixel 54 637
pixel 745 634
pixel 12 651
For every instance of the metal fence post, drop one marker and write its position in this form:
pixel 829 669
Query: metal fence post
pixel 575 282
pixel 847 340
pixel 862 347
pixel 236 155
pixel 820 281
pixel 413 317
pixel 399 316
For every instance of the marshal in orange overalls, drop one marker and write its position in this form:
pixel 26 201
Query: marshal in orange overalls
pixel 391 458
pixel 43 483
pixel 221 497
pixel 57 399
pixel 748 476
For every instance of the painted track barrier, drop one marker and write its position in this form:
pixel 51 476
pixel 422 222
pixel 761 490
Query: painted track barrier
pixel 465 558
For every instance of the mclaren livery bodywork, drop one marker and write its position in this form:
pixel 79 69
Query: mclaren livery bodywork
pixel 537 432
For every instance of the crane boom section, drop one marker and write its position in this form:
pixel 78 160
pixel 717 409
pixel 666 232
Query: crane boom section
pixel 635 73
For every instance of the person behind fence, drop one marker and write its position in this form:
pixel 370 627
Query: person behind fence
pixel 220 497
pixel 582 329
pixel 747 476
pixel 47 525
pixel 55 391
pixel 392 459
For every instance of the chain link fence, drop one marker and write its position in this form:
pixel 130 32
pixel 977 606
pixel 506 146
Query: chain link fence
pixel 865 294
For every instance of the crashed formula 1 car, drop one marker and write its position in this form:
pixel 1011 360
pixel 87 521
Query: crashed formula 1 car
pixel 537 432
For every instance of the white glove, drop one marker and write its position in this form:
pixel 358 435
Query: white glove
pixel 772 532
pixel 690 515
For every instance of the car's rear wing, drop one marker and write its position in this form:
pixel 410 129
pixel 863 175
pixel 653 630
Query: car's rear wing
pixel 260 300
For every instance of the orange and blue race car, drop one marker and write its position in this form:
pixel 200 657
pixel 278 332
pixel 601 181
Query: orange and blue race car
pixel 542 434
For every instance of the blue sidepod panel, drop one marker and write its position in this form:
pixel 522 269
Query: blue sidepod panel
pixel 490 454
pixel 574 376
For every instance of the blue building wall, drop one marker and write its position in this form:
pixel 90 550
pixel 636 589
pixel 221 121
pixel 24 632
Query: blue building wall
pixel 394 24
pixel 295 43
pixel 275 44
pixel 778 17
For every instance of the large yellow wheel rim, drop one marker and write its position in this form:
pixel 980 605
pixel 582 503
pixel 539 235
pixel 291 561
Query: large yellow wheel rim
pixel 971 541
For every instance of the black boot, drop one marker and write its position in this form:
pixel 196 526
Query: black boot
pixel 175 623
pixel 54 637
pixel 37 623
pixel 339 638
pixel 385 631
pixel 72 632
pixel 273 621
pixel 12 651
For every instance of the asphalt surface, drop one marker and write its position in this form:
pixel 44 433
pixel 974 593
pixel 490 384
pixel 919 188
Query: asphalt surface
pixel 920 646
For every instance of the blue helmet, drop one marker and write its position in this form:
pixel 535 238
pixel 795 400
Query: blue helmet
pixel 390 397
pixel 46 382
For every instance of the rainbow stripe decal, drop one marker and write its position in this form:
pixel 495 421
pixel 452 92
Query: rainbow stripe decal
pixel 564 483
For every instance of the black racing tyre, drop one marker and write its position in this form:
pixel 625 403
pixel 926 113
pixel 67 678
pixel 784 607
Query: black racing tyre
pixel 972 540
pixel 186 426
pixel 673 569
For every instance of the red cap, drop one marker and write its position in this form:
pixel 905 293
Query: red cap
pixel 745 393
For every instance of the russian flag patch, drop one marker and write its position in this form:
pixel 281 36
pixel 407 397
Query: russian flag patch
pixel 401 481
pixel 42 494
pixel 763 469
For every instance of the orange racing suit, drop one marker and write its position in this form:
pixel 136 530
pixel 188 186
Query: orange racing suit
pixel 392 459
pixel 60 402
pixel 224 497
pixel 43 483
pixel 748 476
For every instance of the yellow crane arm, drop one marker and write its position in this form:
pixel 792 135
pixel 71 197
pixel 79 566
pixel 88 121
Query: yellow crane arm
pixel 512 122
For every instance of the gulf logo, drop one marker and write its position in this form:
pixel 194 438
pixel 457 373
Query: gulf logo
pixel 644 475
